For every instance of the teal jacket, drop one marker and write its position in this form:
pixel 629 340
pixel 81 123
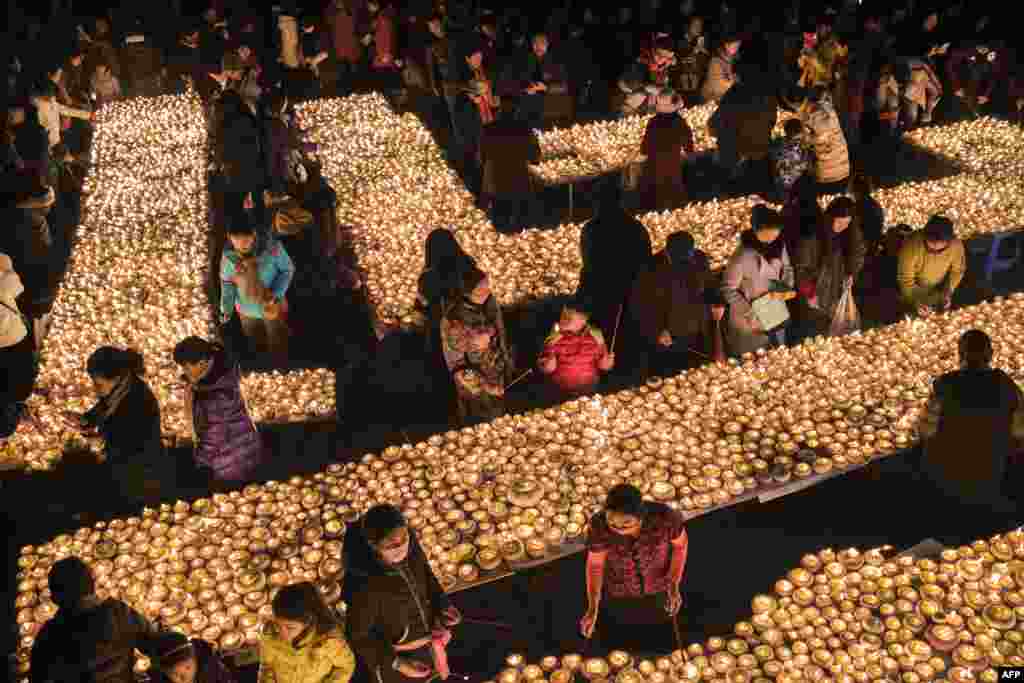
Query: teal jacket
pixel 275 272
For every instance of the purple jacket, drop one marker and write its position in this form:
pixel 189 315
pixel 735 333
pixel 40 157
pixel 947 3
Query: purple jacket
pixel 228 442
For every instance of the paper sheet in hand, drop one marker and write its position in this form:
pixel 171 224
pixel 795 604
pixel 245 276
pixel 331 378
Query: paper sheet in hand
pixel 770 312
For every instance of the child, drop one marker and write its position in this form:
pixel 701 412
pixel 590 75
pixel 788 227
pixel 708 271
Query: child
pixel 791 157
pixel 307 644
pixel 574 353
pixel 180 660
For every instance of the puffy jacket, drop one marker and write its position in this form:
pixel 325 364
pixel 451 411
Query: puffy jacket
pixel 274 269
pixel 314 659
pixel 576 355
pixel 832 156
pixel 50 111
pixel 12 327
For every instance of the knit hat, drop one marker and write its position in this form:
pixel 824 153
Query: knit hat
pixel 939 229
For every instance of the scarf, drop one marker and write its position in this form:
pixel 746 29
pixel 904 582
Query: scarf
pixel 108 404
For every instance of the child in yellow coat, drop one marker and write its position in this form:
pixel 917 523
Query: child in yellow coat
pixel 304 642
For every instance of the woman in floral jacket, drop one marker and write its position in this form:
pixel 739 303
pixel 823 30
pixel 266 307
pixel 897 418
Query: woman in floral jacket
pixel 476 349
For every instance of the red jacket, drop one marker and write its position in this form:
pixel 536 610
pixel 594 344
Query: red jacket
pixel 576 356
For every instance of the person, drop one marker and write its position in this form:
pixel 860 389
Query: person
pixel 744 121
pixel 865 53
pixel 399 619
pixel 475 349
pixel 104 85
pixel 636 556
pixel 507 148
pixel 17 350
pixel 791 158
pixel 441 280
pixel 673 304
pixel 693 59
pixel 473 109
pixel 632 98
pixel 868 213
pixel 652 70
pixel 539 77
pixel 666 138
pixel 575 353
pixel 184 63
pixel 314 52
pixel 180 660
pixel 832 157
pixel 127 417
pixel 49 110
pixel 975 71
pixel 283 145
pixel 241 152
pixel 826 266
pixel 306 642
pixel 721 72
pixel 225 437
pixel 887 100
pixel 88 638
pixel 973 423
pixel 242 73
pixel 614 246
pixel 386 64
pixel 930 266
pixel 760 266
pixel 255 273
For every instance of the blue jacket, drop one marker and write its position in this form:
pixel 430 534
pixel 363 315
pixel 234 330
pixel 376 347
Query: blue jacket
pixel 275 272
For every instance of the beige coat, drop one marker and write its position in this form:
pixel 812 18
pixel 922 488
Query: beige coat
pixel 721 76
pixel 925 278
pixel 12 327
pixel 50 111
pixel 291 48
pixel 826 135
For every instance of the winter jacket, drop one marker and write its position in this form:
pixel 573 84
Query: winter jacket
pixel 387 605
pixel 744 122
pixel 274 269
pixel 614 246
pixel 12 327
pixel 291 48
pixel 721 76
pixel 925 278
pixel 343 18
pixel 385 43
pixel 826 135
pixel 507 148
pixel 666 137
pixel 791 158
pixel 93 643
pixel 209 667
pixel 315 658
pixel 748 276
pixel 969 426
pixel 968 65
pixel 576 356
pixel 227 440
pixel 821 273
pixel 50 111
pixel 673 298
pixel 107 89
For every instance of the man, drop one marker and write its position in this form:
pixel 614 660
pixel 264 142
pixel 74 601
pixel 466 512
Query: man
pixel 399 618
pixel 675 304
pixel 744 121
pixel 974 72
pixel 538 78
pixel 507 148
pixel 973 423
pixel 666 138
pixel 930 267
pixel 641 548
pixel 88 639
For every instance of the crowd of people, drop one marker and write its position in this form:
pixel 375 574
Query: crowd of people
pixel 490 79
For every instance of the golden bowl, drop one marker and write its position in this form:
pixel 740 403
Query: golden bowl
pixel 595 667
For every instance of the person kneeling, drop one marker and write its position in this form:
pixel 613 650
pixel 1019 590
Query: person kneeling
pixel 574 353
pixel 180 660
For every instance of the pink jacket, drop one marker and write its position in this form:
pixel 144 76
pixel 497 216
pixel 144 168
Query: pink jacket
pixel 576 356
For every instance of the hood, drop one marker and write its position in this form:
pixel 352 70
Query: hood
pixel 362 561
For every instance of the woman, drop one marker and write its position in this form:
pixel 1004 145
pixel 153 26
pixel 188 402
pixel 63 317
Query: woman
pixel 17 349
pixel 759 267
pixel 826 266
pixel 441 280
pixel 801 213
pixel 721 70
pixel 832 157
pixel 666 138
pixel 241 153
pixel 225 437
pixel 180 660
pixel 255 274
pixel 304 643
pixel 476 349
pixel 127 417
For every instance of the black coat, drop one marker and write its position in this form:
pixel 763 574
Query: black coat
pixel 614 246
pixel 381 605
pixel 242 151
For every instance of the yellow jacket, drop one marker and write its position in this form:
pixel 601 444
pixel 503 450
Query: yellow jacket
pixel 317 659
pixel 925 278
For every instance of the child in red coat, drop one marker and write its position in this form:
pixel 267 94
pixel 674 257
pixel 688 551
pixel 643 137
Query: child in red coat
pixel 574 353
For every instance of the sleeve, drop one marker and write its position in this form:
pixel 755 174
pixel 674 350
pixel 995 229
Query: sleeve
pixel 376 652
pixel 732 278
pixel 953 64
pixel 343 663
pixel 598 539
pixel 558 85
pixel 454 343
pixel 858 250
pixel 908 264
pixel 957 267
pixel 647 146
pixel 1017 424
pixel 228 288
pixel 649 304
pixel 788 276
pixel 928 425
pixel 548 352
pixel 534 153
pixel 72 111
pixel 688 143
pixel 439 600
pixel 285 271
pixel 675 524
pixel 805 266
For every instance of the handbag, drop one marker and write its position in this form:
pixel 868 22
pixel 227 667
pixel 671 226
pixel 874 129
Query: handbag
pixel 847 317
pixel 291 220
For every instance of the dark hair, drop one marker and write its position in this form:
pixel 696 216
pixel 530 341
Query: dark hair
pixel 111 362
pixel 680 247
pixel 975 349
pixel 939 228
pixel 380 521
pixel 194 350
pixel 172 648
pixel 793 127
pixel 625 499
pixel 442 250
pixel 240 226
pixel 664 43
pixel 762 216
pixel 581 304
pixel 70 581
pixel 840 207
pixel 861 185
pixel 302 602
pixel 471 279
